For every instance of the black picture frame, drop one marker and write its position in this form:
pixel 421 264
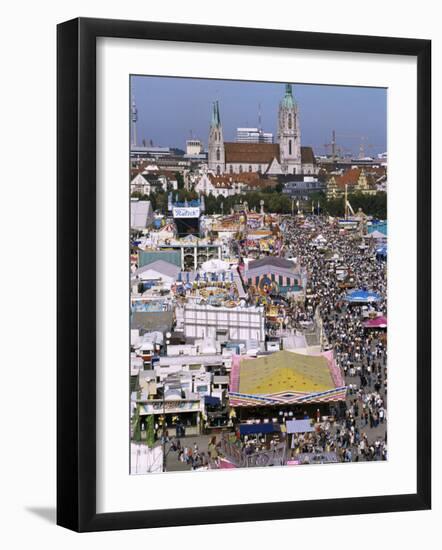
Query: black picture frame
pixel 76 273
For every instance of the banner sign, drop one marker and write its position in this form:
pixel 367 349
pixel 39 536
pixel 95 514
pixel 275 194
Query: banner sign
pixel 186 212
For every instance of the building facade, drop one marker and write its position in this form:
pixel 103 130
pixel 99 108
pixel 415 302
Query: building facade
pixel 194 147
pixel 241 323
pixel 246 155
pixel 253 135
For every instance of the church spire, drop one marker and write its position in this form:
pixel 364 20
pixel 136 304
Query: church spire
pixel 288 100
pixel 216 155
pixel 216 119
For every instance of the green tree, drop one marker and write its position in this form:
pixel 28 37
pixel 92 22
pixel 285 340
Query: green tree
pixel 180 180
pixel 136 424
pixel 372 205
pixel 160 200
pixel 150 433
pixel 211 204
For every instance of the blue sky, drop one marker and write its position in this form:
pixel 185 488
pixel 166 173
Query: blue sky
pixel 169 109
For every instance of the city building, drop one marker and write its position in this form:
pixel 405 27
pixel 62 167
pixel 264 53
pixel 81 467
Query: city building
pixel 303 187
pixel 240 323
pixel 148 182
pixel 285 157
pixel 194 147
pixel 141 152
pixel 224 186
pixel 271 270
pixel 357 180
pixel 253 135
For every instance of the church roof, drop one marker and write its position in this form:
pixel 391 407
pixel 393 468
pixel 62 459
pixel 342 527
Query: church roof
pixel 307 155
pixel 252 153
pixel 260 153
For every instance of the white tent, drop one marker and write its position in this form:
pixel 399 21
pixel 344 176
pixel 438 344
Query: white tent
pixel 376 235
pixel 320 239
pixel 215 266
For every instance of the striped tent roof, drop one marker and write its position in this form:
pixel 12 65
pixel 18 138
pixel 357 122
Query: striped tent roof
pixel 285 378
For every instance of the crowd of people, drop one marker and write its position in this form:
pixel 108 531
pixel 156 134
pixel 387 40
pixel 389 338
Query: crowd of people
pixel 356 429
pixel 359 432
pixel 193 456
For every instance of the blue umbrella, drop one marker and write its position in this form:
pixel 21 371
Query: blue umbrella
pixel 362 296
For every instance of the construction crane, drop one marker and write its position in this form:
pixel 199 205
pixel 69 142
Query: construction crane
pixel 334 149
pixel 364 146
pixel 337 150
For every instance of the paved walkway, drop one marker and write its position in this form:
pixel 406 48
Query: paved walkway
pixel 175 465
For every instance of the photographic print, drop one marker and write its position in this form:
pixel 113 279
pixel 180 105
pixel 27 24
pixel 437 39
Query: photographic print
pixel 258 274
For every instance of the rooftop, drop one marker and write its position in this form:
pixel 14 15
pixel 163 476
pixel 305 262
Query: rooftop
pixel 271 261
pixel 285 371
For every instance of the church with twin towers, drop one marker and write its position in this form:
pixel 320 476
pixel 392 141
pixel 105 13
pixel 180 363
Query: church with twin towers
pixel 286 157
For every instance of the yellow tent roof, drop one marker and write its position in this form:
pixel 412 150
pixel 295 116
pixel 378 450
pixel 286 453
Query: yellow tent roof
pixel 285 371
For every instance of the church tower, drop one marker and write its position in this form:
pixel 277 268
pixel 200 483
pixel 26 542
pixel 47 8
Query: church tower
pixel 289 134
pixel 216 142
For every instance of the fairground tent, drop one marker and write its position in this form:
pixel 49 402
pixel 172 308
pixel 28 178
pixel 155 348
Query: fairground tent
pixel 320 239
pixel 362 297
pixel 214 266
pixel 376 235
pixel 378 322
pixel 285 378
pixel 380 227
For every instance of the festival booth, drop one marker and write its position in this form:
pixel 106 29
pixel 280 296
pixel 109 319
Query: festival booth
pixel 362 297
pixel 377 235
pixel 262 435
pixel 379 226
pixel 299 426
pixel 214 266
pixel 260 428
pixel 283 386
pixel 166 232
pixel 376 323
pixel 213 288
